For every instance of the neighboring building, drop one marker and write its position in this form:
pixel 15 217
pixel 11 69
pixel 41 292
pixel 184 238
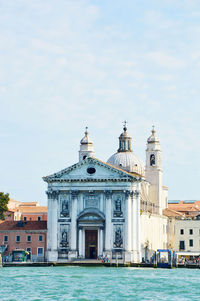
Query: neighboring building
pixel 186 227
pixel 26 211
pixel 186 208
pixel 114 208
pixel 30 236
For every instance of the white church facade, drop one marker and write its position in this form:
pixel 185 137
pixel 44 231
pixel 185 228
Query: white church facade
pixel 108 209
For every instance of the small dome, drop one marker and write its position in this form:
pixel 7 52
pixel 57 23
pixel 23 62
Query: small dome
pixel 153 137
pixel 127 161
pixel 86 139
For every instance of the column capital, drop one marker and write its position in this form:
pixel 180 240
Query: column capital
pixel 136 193
pixel 128 193
pixel 108 193
pixel 52 194
pixel 74 194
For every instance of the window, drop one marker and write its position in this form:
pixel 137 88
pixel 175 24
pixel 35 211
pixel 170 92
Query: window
pixel 5 238
pixel 39 218
pixel 40 238
pixel 191 242
pixel 181 231
pixel 40 251
pixel 91 170
pixel 182 245
pixel 28 249
pixel 29 238
pixel 25 218
pixel 17 238
pixel 191 231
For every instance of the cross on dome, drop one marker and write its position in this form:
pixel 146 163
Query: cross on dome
pixel 125 125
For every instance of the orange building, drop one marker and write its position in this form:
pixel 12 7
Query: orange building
pixel 30 236
pixel 26 211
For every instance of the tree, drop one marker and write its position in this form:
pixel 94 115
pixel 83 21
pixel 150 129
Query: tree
pixel 4 199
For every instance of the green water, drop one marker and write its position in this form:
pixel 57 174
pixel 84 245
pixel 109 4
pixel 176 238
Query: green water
pixel 98 283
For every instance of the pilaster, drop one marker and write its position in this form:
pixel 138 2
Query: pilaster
pixel 53 225
pixel 108 196
pixel 74 198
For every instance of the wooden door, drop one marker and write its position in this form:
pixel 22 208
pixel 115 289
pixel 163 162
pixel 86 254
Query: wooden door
pixel 91 244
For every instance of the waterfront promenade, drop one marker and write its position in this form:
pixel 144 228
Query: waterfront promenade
pixel 98 283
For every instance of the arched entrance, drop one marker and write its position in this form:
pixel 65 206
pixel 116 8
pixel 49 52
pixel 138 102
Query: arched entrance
pixel 91 228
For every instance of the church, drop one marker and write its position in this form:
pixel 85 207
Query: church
pixel 111 209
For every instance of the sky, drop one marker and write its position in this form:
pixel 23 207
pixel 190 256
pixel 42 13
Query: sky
pixel 68 64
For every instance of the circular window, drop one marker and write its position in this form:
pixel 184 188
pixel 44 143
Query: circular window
pixel 91 170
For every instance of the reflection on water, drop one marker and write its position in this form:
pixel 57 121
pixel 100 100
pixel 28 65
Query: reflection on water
pixel 98 283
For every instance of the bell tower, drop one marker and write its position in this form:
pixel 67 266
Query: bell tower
pixel 86 147
pixel 154 170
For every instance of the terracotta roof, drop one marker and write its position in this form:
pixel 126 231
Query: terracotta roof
pixel 172 213
pixel 33 204
pixel 185 206
pixel 30 225
pixel 32 209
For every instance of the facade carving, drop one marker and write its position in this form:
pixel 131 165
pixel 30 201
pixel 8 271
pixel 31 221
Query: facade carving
pixel 118 237
pixel 117 212
pixel 64 205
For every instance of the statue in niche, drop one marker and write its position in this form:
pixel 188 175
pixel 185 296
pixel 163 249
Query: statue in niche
pixel 64 241
pixel 65 208
pixel 118 238
pixel 152 160
pixel 118 207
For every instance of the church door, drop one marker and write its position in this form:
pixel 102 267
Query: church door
pixel 91 244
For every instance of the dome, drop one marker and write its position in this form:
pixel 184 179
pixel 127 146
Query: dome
pixel 127 161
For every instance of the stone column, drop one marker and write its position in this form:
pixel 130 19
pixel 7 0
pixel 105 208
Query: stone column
pixel 100 241
pixel 53 225
pixel 49 221
pixel 128 226
pixel 108 232
pixel 134 227
pixel 138 241
pixel 74 198
pixel 80 241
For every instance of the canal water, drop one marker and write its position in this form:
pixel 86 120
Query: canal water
pixel 98 283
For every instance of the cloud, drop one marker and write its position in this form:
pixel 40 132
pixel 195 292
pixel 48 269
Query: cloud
pixel 166 60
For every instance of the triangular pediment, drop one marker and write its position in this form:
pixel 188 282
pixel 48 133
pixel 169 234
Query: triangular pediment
pixel 91 169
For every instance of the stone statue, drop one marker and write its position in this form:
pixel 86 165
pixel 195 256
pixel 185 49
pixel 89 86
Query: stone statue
pixel 65 208
pixel 64 242
pixel 118 207
pixel 118 238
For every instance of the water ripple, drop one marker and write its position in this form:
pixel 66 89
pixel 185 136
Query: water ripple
pixel 97 283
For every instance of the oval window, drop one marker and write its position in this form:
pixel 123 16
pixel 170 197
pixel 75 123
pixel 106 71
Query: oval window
pixel 91 170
